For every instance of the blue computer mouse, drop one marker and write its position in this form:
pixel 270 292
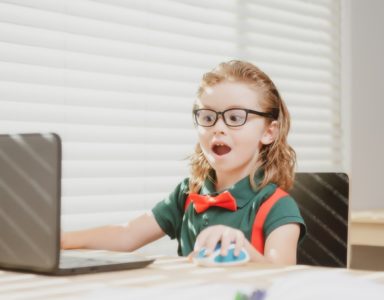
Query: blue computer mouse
pixel 218 260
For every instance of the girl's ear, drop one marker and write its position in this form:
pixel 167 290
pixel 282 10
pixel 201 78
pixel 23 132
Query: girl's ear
pixel 270 134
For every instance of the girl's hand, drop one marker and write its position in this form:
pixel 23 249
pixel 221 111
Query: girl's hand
pixel 226 235
pixel 280 246
pixel 65 240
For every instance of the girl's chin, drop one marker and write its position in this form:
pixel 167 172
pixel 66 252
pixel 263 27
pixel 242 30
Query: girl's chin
pixel 219 162
pixel 230 166
pixel 221 166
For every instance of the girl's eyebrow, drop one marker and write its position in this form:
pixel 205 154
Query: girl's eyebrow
pixel 236 106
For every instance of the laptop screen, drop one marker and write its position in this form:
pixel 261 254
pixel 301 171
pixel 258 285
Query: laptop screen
pixel 30 176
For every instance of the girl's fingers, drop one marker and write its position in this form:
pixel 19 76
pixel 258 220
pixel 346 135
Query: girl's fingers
pixel 200 241
pixel 212 241
pixel 204 241
pixel 239 242
pixel 190 256
pixel 209 238
pixel 226 240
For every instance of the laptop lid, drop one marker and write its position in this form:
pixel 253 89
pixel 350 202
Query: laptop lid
pixel 30 199
pixel 30 175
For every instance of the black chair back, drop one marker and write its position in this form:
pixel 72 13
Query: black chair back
pixel 323 201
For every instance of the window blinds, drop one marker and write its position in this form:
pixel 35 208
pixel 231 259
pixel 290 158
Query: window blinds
pixel 116 79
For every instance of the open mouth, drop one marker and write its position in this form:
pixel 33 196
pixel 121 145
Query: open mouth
pixel 221 149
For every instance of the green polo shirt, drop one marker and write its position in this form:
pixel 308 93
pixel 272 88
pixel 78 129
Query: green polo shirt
pixel 186 225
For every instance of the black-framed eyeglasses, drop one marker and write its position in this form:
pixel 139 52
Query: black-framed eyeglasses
pixel 233 117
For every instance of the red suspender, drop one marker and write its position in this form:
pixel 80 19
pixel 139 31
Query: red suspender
pixel 257 239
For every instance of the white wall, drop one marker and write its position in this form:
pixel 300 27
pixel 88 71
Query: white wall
pixel 364 86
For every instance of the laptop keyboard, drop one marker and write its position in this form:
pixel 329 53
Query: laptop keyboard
pixel 76 261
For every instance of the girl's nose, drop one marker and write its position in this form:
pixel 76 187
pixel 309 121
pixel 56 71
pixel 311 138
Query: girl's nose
pixel 220 125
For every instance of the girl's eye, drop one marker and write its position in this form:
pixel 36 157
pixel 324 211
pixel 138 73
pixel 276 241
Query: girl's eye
pixel 208 118
pixel 236 118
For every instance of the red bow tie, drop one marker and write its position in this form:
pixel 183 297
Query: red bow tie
pixel 203 202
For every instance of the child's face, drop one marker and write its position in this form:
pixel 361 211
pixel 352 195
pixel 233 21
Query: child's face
pixel 234 150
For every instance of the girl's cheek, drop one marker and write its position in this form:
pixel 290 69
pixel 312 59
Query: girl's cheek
pixel 201 132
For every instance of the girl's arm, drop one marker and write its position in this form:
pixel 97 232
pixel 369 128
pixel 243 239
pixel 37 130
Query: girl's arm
pixel 280 246
pixel 124 237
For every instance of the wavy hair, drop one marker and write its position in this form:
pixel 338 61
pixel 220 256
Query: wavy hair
pixel 278 159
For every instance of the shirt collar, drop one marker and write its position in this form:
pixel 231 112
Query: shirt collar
pixel 241 190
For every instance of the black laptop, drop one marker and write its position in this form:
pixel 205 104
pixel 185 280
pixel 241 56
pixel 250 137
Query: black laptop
pixel 30 197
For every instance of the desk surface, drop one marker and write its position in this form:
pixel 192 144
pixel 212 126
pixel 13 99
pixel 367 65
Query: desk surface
pixel 170 272
pixel 367 228
pixel 368 216
pixel 174 272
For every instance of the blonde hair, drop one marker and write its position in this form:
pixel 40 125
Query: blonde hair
pixel 277 159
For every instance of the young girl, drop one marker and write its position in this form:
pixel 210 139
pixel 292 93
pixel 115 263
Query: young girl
pixel 243 158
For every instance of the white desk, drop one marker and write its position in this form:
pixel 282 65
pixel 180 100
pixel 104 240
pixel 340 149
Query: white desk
pixel 171 272
pixel 366 239
pixel 367 228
